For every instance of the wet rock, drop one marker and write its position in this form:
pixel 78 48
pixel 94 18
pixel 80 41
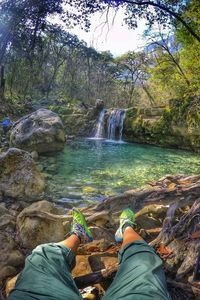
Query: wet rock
pixel 41 131
pixel 38 224
pixel 19 176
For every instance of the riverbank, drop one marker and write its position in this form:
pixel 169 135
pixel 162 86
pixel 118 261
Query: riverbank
pixel 161 209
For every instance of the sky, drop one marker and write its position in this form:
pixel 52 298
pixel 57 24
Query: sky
pixel 113 35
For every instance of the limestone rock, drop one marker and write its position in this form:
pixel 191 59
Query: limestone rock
pixel 38 224
pixel 41 131
pixel 19 176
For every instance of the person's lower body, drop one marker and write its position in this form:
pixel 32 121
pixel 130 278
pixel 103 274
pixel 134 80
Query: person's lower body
pixel 47 275
pixel 47 271
pixel 140 275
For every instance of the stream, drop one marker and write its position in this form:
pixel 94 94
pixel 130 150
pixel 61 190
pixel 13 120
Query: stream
pixel 87 171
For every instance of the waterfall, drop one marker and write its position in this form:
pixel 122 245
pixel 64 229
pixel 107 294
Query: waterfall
pixel 100 125
pixel 115 124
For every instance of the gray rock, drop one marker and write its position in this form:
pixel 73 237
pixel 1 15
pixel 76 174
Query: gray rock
pixel 19 176
pixel 40 223
pixel 10 257
pixel 41 131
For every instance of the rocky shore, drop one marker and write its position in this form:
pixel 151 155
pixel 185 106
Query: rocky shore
pixel 167 214
pixel 168 217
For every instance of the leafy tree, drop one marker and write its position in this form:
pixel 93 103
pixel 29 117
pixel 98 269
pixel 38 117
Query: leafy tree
pixel 23 20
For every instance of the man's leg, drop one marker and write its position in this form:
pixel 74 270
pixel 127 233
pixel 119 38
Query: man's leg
pixel 47 271
pixel 140 275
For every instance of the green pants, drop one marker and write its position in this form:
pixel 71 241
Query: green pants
pixel 47 275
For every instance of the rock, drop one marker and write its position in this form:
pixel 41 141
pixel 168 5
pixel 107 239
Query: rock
pixel 151 216
pixel 147 222
pixel 95 246
pixel 38 224
pixel 34 155
pixel 10 256
pixel 7 221
pixel 100 218
pixel 7 271
pixel 86 264
pixel 99 104
pixel 15 258
pixel 41 131
pixel 19 176
pixel 3 209
pixel 101 232
pixel 157 210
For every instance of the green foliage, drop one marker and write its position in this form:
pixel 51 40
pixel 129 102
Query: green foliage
pixel 46 63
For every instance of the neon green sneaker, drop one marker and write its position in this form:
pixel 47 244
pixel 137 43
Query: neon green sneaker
pixel 127 218
pixel 79 226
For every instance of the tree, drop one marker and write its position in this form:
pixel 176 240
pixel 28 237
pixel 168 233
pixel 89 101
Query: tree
pixel 23 18
pixel 154 11
pixel 169 46
pixel 133 74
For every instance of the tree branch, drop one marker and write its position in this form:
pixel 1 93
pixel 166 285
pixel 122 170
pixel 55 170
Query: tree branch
pixel 170 12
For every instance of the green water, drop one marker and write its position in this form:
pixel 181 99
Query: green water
pixel 89 170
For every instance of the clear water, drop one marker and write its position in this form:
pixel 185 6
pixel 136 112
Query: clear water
pixel 90 170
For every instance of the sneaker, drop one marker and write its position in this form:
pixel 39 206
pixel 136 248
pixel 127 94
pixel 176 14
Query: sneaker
pixel 127 218
pixel 79 227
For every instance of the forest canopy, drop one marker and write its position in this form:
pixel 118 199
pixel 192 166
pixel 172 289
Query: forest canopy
pixel 41 61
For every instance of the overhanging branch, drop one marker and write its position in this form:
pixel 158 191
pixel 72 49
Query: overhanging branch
pixel 167 10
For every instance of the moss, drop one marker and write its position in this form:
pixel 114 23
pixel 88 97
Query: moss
pixel 61 110
pixel 132 112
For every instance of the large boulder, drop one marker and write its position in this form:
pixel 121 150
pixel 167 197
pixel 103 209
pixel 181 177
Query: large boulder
pixel 41 131
pixel 19 176
pixel 40 223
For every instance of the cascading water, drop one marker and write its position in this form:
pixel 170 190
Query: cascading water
pixel 115 124
pixel 100 125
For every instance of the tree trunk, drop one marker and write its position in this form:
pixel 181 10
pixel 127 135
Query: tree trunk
pixel 150 97
pixel 2 85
